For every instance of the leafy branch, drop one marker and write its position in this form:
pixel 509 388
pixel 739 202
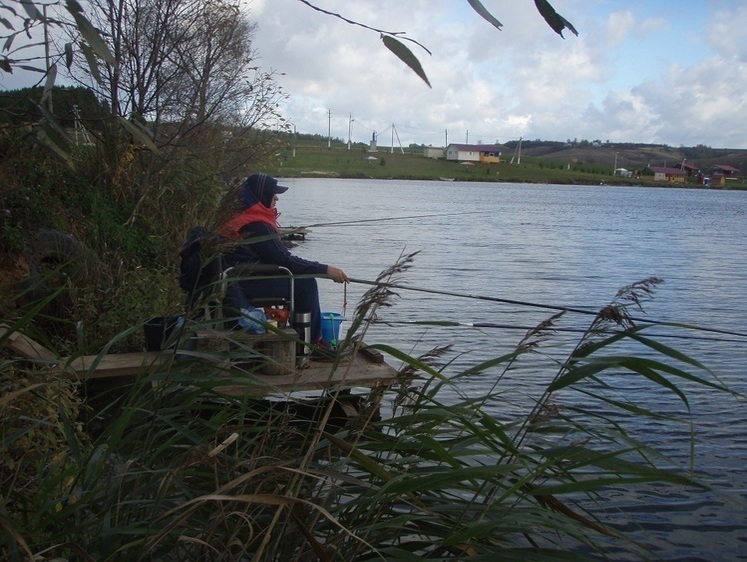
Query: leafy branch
pixel 391 39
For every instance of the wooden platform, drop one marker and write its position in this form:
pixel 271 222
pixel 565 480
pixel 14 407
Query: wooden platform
pixel 351 372
pixel 294 233
pixel 365 368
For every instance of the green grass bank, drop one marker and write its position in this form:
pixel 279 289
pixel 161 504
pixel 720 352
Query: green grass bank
pixel 315 159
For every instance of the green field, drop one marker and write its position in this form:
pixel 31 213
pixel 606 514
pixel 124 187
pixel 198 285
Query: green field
pixel 315 159
pixel 338 161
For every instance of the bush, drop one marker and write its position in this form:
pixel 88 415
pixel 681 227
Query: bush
pixel 40 452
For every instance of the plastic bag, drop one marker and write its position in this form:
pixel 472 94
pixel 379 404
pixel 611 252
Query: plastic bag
pixel 253 320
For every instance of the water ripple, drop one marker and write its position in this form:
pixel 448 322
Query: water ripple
pixel 572 246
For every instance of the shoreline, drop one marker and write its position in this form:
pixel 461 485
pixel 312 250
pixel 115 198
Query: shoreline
pixel 319 174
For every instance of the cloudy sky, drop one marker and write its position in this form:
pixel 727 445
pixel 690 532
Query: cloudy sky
pixel 653 71
pixel 667 71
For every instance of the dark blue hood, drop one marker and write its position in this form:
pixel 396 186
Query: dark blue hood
pixel 259 188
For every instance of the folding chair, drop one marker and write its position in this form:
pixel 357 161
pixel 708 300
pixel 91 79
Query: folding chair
pixel 213 291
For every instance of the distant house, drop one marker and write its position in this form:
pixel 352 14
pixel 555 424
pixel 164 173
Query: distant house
pixel 690 169
pixel 485 153
pixel 434 152
pixel 662 173
pixel 720 173
pixel 724 170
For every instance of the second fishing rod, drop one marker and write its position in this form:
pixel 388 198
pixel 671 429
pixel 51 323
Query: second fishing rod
pixel 549 307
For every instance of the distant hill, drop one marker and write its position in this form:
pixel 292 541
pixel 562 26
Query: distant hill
pixel 632 156
pixel 629 155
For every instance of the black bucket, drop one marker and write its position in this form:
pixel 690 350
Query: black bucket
pixel 161 332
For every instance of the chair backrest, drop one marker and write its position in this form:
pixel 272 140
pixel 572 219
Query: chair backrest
pixel 208 283
pixel 199 271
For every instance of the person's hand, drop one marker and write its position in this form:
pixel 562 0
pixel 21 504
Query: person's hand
pixel 336 274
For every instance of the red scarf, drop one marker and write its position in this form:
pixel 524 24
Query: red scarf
pixel 256 213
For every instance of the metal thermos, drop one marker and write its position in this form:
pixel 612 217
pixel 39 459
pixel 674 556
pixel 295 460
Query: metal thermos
pixel 302 324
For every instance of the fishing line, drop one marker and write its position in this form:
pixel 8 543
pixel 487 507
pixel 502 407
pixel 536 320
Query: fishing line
pixel 498 299
pixel 544 306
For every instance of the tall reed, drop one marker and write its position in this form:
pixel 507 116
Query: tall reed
pixel 168 467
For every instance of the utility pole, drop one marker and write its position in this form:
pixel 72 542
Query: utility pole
pixel 517 150
pixel 294 140
pixel 350 129
pixel 329 128
pixel 398 141
pixel 467 141
pixel 391 150
pixel 519 159
pixel 81 133
pixel 446 138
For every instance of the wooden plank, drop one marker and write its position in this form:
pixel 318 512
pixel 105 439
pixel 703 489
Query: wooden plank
pixel 360 370
pixel 113 365
pixel 352 372
pixel 24 345
pixel 221 334
pixel 279 348
pixel 117 364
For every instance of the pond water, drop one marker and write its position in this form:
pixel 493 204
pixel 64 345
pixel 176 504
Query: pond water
pixel 569 246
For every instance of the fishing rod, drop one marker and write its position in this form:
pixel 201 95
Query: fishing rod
pixel 493 325
pixel 540 305
pixel 387 219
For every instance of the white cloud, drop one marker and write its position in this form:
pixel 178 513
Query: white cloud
pixel 671 72
pixel 618 27
pixel 727 31
pixel 623 116
pixel 644 72
pixel 701 104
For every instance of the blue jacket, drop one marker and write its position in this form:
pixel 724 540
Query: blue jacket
pixel 261 244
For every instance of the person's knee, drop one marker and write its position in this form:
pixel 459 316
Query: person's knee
pixel 307 286
pixel 306 294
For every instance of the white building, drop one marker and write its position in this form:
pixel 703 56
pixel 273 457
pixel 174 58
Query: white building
pixel 434 152
pixel 486 153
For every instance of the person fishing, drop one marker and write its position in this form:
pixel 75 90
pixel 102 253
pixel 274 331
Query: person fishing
pixel 254 224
